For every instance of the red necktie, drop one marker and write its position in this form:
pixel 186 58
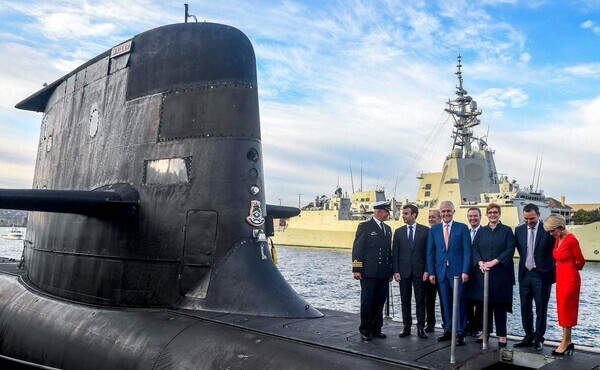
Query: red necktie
pixel 447 234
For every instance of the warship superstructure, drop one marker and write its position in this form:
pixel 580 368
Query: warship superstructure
pixel 468 178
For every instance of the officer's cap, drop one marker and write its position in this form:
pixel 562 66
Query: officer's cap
pixel 383 205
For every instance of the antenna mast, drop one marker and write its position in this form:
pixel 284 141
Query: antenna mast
pixel 463 110
pixel 539 173
pixel 351 178
pixel 534 171
pixel 187 15
pixel 360 176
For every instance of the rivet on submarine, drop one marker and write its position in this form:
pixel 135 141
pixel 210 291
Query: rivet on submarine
pixel 147 243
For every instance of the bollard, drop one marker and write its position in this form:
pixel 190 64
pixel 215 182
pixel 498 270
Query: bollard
pixel 486 298
pixel 454 319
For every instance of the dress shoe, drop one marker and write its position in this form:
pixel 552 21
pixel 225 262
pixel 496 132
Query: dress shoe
pixel 365 338
pixel 477 333
pixel 480 339
pixel 526 342
pixel 380 335
pixel 502 344
pixel 445 337
pixel 421 333
pixel 461 340
pixel 405 333
pixel 430 328
pixel 537 345
pixel 568 351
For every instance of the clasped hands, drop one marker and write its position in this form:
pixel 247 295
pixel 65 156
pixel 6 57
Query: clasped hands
pixel 486 266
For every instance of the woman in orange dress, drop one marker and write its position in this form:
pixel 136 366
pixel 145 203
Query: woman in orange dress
pixel 569 260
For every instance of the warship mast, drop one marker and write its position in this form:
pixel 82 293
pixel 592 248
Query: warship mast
pixel 463 110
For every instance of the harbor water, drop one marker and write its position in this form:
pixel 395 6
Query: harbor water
pixel 10 248
pixel 324 278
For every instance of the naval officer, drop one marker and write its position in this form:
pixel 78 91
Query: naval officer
pixel 372 265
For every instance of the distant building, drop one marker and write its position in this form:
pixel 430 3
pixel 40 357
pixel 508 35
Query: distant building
pixel 560 208
pixel 585 206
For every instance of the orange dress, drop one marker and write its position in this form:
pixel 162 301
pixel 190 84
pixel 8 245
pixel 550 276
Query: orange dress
pixel 569 261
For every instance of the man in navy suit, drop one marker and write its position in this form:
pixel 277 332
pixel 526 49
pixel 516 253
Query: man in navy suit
pixel 409 255
pixel 536 275
pixel 449 255
pixel 372 265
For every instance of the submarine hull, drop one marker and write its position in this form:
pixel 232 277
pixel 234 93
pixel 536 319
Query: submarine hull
pixel 61 334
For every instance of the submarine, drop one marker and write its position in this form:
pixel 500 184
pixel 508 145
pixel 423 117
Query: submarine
pixel 146 243
pixel 147 237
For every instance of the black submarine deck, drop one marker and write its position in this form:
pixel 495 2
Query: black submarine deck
pixel 337 333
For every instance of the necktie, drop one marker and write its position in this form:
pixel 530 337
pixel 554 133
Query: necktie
pixel 447 234
pixel 382 228
pixel 473 232
pixel 530 249
pixel 411 237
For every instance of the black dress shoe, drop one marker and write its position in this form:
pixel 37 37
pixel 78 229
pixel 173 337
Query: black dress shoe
pixel 421 333
pixel 537 345
pixel 461 341
pixel 430 328
pixel 526 342
pixel 445 337
pixel 380 335
pixel 405 333
pixel 365 338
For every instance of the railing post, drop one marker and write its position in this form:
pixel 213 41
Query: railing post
pixel 454 319
pixel 486 298
pixel 387 301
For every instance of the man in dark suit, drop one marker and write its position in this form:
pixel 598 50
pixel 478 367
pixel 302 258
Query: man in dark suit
pixel 431 290
pixel 372 265
pixel 449 255
pixel 409 255
pixel 536 275
pixel 474 308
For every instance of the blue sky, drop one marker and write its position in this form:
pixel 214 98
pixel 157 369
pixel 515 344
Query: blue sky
pixel 354 82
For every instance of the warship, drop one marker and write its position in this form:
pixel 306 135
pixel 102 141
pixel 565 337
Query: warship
pixel 468 178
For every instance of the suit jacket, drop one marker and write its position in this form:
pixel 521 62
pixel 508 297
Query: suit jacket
pixel 454 261
pixel 372 251
pixel 544 244
pixel 409 260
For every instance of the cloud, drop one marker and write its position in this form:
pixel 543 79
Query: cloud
pixel 70 25
pixel 590 70
pixel 23 69
pixel 591 25
pixel 339 82
pixel 568 144
pixel 497 98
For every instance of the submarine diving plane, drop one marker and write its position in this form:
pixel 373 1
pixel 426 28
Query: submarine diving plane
pixel 146 244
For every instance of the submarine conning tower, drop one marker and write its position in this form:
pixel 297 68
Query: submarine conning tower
pixel 169 122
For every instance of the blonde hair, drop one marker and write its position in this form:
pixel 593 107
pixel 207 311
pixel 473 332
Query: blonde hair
pixel 554 221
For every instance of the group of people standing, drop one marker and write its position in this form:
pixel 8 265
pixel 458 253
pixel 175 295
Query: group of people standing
pixel 425 261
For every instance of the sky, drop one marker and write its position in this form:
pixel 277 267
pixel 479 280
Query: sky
pixel 355 86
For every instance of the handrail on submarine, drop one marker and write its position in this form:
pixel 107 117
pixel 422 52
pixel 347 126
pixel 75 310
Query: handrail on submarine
pixel 114 200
